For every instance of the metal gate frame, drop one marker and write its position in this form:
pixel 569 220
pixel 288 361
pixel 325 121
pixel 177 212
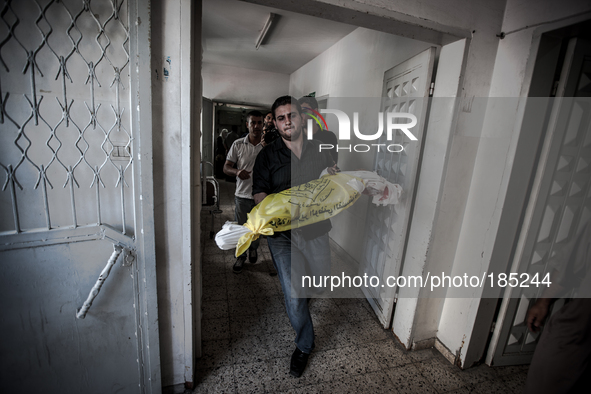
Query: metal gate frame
pixel 140 142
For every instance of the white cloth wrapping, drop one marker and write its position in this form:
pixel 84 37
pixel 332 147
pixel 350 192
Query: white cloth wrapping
pixel 228 236
pixel 383 192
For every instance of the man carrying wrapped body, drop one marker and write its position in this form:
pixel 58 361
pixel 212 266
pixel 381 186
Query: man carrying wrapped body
pixel 296 219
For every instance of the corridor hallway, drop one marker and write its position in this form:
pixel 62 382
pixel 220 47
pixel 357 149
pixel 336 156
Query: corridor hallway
pixel 248 340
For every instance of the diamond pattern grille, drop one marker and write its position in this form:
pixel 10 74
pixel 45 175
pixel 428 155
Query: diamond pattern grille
pixel 65 135
pixel 566 207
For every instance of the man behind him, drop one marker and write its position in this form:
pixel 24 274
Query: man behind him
pixel 292 160
pixel 324 136
pixel 268 122
pixel 230 138
pixel 270 133
pixel 243 153
pixel 220 154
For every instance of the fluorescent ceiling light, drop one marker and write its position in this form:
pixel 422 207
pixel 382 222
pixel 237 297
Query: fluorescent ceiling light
pixel 265 30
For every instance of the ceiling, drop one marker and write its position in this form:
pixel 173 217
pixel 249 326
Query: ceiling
pixel 231 28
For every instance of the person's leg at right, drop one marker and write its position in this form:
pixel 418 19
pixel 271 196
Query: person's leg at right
pixel 562 357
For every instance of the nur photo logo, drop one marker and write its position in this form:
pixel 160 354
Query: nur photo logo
pixel 395 122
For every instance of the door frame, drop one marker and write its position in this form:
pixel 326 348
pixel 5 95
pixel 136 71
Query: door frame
pixel 191 95
pixel 525 182
pixel 518 190
pixel 141 98
pixel 373 17
pixel 456 40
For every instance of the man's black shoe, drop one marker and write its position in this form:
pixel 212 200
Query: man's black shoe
pixel 298 363
pixel 252 256
pixel 239 264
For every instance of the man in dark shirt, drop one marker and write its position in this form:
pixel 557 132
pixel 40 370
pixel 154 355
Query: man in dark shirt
pixel 230 138
pixel 268 121
pixel 324 136
pixel 293 160
pixel 269 131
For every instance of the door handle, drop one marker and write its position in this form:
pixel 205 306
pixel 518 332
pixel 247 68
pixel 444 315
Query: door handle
pixel 81 313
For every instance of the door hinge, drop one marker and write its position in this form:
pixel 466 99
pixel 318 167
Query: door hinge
pixel 431 89
pixel 492 327
pixel 554 88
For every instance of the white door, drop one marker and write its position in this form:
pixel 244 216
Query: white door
pixel 406 88
pixel 560 203
pixel 78 287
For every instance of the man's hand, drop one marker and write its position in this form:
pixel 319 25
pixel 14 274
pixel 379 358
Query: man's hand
pixel 537 314
pixel 333 170
pixel 259 197
pixel 243 174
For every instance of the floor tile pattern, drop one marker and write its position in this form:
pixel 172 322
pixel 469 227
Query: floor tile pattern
pixel 247 338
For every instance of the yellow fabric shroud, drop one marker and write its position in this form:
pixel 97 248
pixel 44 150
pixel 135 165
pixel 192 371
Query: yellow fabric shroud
pixel 299 206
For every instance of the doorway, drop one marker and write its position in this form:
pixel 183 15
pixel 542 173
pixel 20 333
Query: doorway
pixel 558 203
pixel 319 80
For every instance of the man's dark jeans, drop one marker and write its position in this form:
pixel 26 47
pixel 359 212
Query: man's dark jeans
pixel 291 257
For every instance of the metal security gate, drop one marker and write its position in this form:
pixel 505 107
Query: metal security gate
pixel 76 231
pixel 60 132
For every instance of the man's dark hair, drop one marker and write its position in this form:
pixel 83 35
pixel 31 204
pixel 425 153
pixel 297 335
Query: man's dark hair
pixel 268 112
pixel 311 101
pixel 284 100
pixel 255 113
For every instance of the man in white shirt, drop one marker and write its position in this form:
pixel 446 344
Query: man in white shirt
pixel 243 153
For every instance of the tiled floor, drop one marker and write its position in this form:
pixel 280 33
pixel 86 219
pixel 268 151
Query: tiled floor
pixel 248 341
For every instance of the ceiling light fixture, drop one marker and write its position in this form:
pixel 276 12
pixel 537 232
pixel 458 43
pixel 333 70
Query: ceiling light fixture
pixel 265 30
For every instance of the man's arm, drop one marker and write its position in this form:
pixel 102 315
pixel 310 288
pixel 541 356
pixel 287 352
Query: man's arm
pixel 331 164
pixel 259 197
pixel 536 315
pixel 231 171
pixel 232 159
pixel 261 178
pixel 566 266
